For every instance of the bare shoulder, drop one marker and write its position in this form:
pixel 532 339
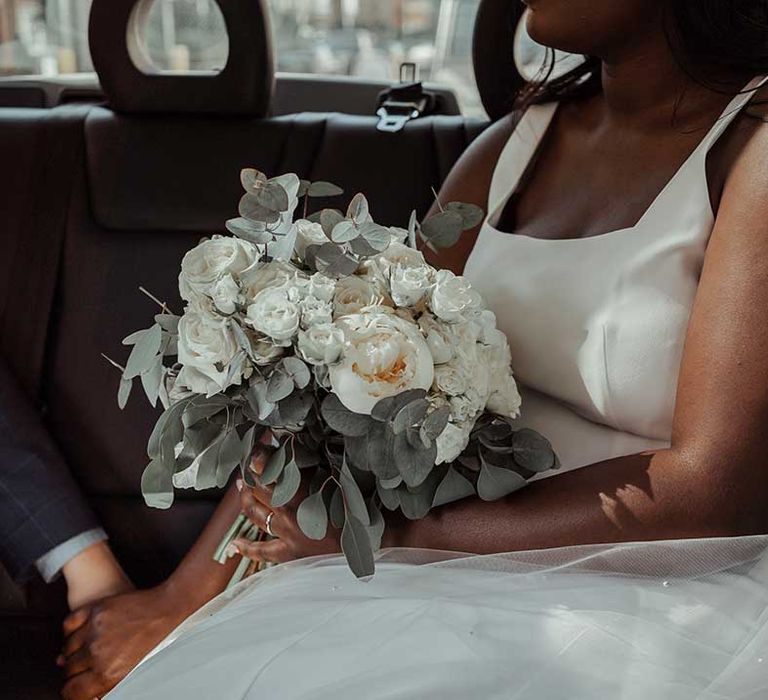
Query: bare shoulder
pixel 470 181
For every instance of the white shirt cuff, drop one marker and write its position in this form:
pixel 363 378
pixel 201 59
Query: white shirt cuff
pixel 51 563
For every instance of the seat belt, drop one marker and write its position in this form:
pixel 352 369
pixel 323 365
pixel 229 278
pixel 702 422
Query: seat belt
pixel 36 247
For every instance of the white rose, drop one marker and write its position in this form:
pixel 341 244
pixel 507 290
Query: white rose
pixel 409 285
pixel 452 297
pixel 383 355
pixel 226 294
pixel 206 343
pixel 352 295
pixel 308 233
pixel 266 275
pixel 315 312
pixel 452 442
pixel 212 259
pixel 401 254
pixel 321 344
pixel 450 380
pixel 322 287
pixel 505 397
pixel 274 314
pixel 265 352
pixel 464 409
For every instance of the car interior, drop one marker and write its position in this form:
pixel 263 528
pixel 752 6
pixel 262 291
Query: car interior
pixel 107 181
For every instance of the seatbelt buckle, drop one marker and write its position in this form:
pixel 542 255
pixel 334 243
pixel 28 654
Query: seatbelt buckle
pixel 403 102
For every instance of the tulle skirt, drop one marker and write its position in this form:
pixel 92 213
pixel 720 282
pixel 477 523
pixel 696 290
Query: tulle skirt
pixel 648 621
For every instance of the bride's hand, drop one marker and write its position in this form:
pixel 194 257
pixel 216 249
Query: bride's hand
pixel 290 542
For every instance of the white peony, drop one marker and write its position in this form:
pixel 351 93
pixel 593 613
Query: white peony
pixel 352 295
pixel 383 355
pixel 206 348
pixel 308 233
pixel 321 344
pixel 210 261
pixel 273 314
pixel 452 297
pixel 452 442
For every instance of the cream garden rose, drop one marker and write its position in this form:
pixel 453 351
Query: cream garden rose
pixel 452 297
pixel 383 355
pixel 321 344
pixel 274 314
pixel 354 294
pixel 207 346
pixel 212 260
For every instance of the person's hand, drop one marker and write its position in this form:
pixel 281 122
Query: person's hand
pixel 290 543
pixel 105 640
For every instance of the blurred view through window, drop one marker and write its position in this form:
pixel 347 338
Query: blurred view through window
pixel 364 38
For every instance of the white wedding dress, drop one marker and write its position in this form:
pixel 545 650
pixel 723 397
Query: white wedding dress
pixel 596 326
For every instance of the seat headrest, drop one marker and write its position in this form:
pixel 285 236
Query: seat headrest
pixel 243 87
pixel 493 55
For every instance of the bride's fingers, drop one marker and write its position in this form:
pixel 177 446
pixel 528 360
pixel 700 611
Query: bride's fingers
pixel 256 512
pixel 273 551
pixel 74 642
pixel 85 685
pixel 262 452
pixel 77 663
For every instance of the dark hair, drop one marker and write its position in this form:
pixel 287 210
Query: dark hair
pixel 711 40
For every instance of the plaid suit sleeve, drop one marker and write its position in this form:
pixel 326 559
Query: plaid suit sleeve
pixel 41 506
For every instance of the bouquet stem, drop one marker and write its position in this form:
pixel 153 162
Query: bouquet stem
pixel 241 528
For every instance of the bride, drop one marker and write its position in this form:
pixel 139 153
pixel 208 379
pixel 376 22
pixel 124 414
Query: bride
pixel 625 255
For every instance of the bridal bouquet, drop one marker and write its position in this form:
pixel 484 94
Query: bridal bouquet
pixel 384 382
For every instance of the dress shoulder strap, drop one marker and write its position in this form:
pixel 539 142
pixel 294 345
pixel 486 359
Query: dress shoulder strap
pixel 732 111
pixel 517 154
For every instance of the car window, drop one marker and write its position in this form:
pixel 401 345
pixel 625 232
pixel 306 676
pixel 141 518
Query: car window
pixel 363 38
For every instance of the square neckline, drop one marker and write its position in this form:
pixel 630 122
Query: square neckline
pixel 731 110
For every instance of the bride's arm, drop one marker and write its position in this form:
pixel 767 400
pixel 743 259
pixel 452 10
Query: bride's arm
pixel 713 479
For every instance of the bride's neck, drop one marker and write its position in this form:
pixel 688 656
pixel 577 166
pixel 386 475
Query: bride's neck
pixel 643 79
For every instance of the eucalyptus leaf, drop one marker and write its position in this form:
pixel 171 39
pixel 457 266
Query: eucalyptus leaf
pixel 252 179
pixel 415 503
pixel 287 485
pixel 353 497
pixel 329 219
pixel 284 247
pixel 247 445
pixel 495 482
pixel 294 409
pixel 124 392
pixel 257 398
pixel 134 338
pixel 144 351
pixel 413 225
pixel 303 188
pixel 410 415
pixel 386 409
pixel 334 262
pixel 391 483
pixel 157 485
pixel 168 322
pixel 298 371
pixel 358 209
pixel 201 408
pixel 279 386
pixel 252 231
pixel 378 237
pixel 273 196
pixel 532 451
pixel 312 517
pixel 274 466
pixel 389 497
pixel 373 452
pixel 443 229
pixel 342 420
pixel 471 214
pixel 361 247
pixel 242 338
pixel 250 207
pixel 453 487
pixel 376 528
pixel 436 422
pixel 356 545
pixel 414 465
pixel 324 189
pixel 336 509
pixel 151 379
pixel 344 232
